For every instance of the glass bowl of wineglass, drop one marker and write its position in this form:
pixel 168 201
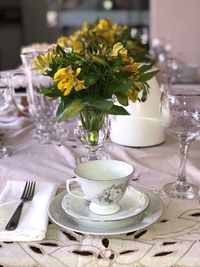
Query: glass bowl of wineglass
pixel 5 100
pixel 180 114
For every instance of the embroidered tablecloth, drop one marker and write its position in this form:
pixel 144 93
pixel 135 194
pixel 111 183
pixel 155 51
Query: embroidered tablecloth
pixel 172 241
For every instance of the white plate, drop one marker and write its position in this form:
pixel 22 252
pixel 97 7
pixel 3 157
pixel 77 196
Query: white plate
pixel 133 207
pixel 133 203
pixel 65 221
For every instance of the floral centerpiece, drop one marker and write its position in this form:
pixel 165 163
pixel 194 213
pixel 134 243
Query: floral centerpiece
pixel 101 77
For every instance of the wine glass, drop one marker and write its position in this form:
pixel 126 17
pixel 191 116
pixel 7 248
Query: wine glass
pixel 5 100
pixel 180 113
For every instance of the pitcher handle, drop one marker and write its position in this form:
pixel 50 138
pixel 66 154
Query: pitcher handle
pixel 22 108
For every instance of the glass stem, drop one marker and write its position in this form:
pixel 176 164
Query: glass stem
pixel 2 148
pixel 184 146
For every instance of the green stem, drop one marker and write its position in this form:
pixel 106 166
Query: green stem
pixel 92 120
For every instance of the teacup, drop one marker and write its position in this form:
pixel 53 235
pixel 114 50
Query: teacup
pixel 103 183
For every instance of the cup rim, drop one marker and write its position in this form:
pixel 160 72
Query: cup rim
pixel 132 169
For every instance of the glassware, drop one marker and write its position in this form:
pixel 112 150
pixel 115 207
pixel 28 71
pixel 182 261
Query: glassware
pixel 180 113
pixel 92 130
pixel 41 108
pixel 5 99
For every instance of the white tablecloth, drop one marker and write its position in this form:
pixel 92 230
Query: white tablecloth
pixel 172 241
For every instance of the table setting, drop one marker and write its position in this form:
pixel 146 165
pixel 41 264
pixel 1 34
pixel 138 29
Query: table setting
pixel 82 195
pixel 66 244
pixel 177 228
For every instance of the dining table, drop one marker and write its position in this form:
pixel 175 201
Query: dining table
pixel 171 239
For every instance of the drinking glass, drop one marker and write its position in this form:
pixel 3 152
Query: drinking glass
pixel 5 100
pixel 180 113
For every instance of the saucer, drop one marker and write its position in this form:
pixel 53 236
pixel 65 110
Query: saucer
pixel 134 202
pixel 57 215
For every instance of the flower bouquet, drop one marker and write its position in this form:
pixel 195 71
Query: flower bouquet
pixel 94 77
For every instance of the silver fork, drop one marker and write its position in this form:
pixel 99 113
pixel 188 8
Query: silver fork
pixel 27 195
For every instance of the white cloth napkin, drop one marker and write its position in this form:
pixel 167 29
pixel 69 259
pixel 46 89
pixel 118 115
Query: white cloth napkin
pixel 34 217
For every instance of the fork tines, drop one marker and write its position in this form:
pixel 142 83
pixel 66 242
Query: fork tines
pixel 28 190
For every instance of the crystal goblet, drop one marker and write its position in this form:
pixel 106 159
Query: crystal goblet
pixel 180 113
pixel 5 100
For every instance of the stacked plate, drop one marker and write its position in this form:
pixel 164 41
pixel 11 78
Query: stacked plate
pixel 139 209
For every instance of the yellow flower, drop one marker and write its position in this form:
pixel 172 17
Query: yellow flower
pixel 103 30
pixel 66 80
pixel 71 42
pixel 131 68
pixel 132 94
pixel 42 62
pixel 108 36
pixel 85 27
pixel 119 28
pixel 118 48
pixel 139 85
pixel 77 46
pixel 63 41
pixel 62 72
pixel 103 24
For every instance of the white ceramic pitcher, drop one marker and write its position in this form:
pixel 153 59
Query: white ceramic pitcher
pixel 142 128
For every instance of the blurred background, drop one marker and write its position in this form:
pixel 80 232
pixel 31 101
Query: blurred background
pixel 175 24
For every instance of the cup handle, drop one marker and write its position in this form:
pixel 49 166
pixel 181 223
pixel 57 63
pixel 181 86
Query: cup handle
pixel 76 195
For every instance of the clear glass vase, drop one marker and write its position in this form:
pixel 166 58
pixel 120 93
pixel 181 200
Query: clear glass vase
pixel 92 130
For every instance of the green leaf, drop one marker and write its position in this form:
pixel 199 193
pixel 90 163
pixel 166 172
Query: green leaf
pixel 148 75
pixel 145 67
pixel 46 91
pixel 51 92
pixel 90 78
pixel 69 111
pixel 123 87
pixel 96 122
pixel 118 110
pixel 99 102
pixel 122 99
pixel 60 49
pixel 115 88
pixel 144 95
